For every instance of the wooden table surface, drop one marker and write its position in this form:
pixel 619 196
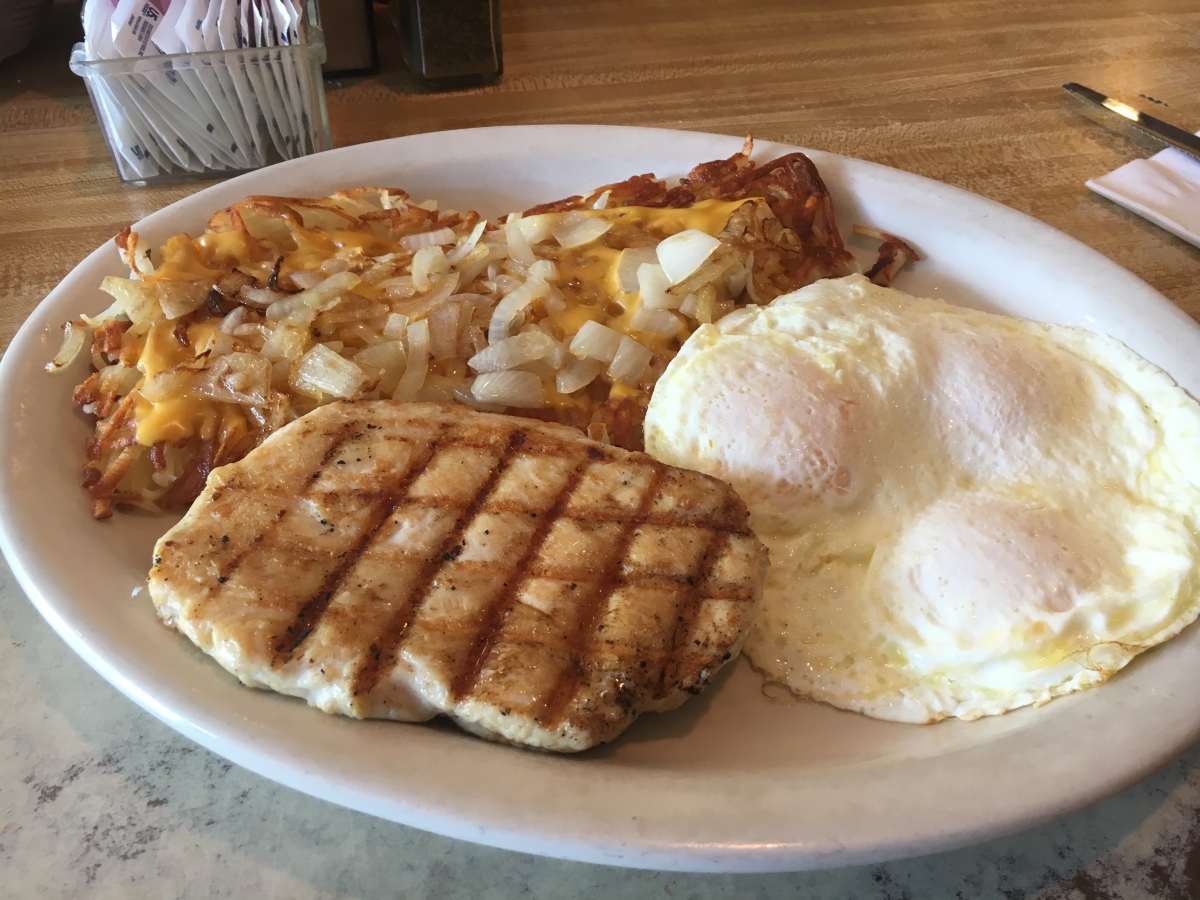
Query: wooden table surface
pixel 966 92
pixel 963 91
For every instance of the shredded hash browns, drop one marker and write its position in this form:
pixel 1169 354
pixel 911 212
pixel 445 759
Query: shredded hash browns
pixel 568 312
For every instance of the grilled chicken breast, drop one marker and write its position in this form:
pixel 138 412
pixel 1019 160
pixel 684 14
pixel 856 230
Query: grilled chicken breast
pixel 405 560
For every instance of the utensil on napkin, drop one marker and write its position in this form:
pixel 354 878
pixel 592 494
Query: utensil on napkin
pixel 1165 189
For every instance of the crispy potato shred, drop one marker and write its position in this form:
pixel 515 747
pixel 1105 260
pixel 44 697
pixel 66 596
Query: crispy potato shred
pixel 568 312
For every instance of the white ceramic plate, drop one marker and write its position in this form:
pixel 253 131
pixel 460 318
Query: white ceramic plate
pixel 732 781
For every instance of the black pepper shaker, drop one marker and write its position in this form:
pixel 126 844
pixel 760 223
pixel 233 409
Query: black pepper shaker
pixel 450 43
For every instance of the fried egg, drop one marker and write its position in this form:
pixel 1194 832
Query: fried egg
pixel 966 513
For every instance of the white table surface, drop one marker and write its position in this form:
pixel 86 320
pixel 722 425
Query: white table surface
pixel 99 799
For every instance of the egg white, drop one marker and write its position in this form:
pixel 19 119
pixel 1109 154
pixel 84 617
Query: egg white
pixel 966 513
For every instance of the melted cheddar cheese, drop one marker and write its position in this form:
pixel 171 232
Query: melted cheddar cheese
pixel 587 280
pixel 180 416
pixel 709 216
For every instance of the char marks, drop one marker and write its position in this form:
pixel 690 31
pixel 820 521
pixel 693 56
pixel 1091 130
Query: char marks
pixel 698 583
pixel 490 622
pixel 551 715
pixel 534 585
pixel 340 437
pixel 385 504
pixel 382 652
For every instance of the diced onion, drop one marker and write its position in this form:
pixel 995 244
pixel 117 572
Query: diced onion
pixel 497 253
pixel 428 238
pixel 653 283
pixel 418 362
pixel 278 311
pixel 333 266
pixel 595 341
pixel 710 273
pixel 162 384
pixel 554 301
pixel 544 270
pixel 474 262
pixel 399 288
pixel 214 344
pixel 682 254
pixel 655 321
pixel 286 342
pixel 428 262
pixel 466 398
pixel 630 362
pixel 512 388
pixel 137 298
pixel 74 337
pixel 578 373
pixel 473 299
pixel 382 356
pixel 236 280
pixel 395 327
pixel 368 336
pixel 514 351
pixel 688 306
pixel 508 310
pixel 455 256
pixel 141 258
pixel 538 228
pixel 306 279
pixel 443 330
pixel 749 264
pixel 627 266
pixel 575 229
pixel 324 295
pixel 390 358
pixel 233 320
pixel 602 201
pixel 706 299
pixel 261 297
pixel 243 378
pixel 321 371
pixel 118 379
pixel 736 280
pixel 471 342
pixel 113 311
pixel 299 318
pixel 178 298
pixel 445 288
pixel 518 244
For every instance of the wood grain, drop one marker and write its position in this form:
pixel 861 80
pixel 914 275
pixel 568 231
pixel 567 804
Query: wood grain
pixel 966 92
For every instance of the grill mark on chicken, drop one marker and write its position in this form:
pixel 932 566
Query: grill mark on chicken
pixel 493 618
pixel 383 651
pixel 347 432
pixel 584 638
pixel 310 614
pixel 691 607
pixel 344 434
pixel 577 614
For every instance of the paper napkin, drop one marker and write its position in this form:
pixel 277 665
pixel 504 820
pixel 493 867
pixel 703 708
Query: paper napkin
pixel 1164 189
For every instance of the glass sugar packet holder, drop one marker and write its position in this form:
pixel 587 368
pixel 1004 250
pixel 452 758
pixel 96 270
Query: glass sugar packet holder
pixel 210 114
